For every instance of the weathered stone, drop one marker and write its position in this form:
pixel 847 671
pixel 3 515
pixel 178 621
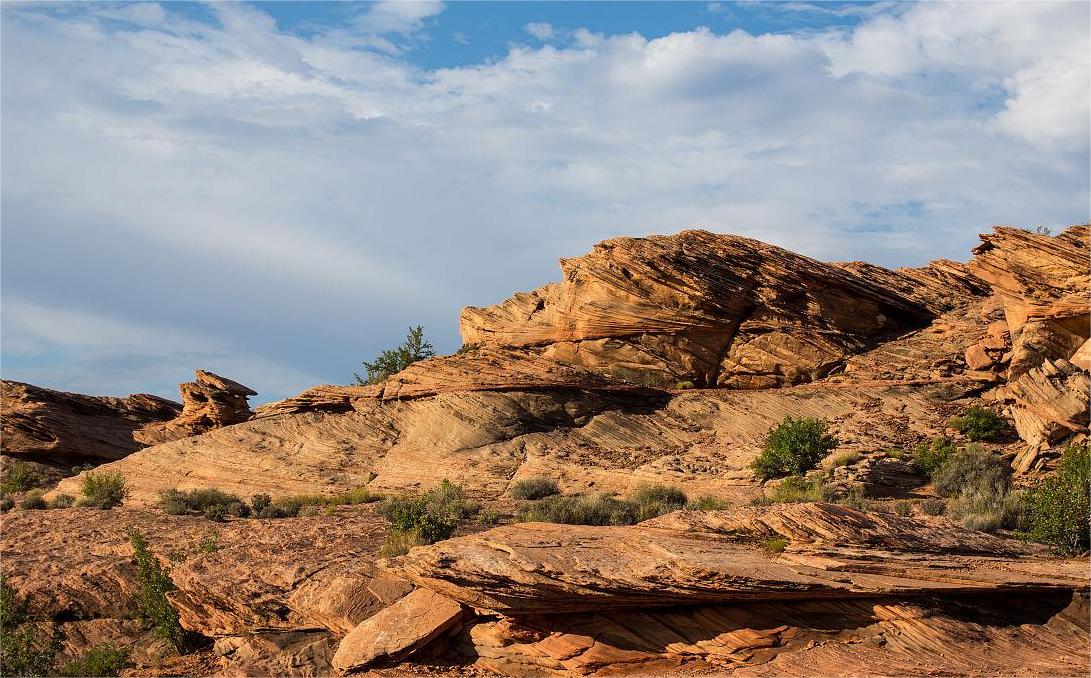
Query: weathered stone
pixel 688 558
pixel 397 631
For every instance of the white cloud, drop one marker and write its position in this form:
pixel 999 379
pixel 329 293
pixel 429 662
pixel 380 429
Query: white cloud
pixel 540 30
pixel 274 202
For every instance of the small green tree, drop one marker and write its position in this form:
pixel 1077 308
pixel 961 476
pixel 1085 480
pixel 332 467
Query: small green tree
pixel 979 423
pixel 394 360
pixel 793 447
pixel 155 583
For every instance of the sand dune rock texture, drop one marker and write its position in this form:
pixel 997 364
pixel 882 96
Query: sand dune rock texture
pixel 664 359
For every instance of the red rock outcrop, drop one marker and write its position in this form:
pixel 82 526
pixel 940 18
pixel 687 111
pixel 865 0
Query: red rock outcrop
pixel 716 310
pixel 213 401
pixel 1045 286
pixel 68 429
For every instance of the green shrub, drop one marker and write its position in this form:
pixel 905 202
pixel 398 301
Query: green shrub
pixel 903 508
pixel 843 459
pixel 972 468
pixel 931 456
pixel 398 543
pixel 644 377
pixel 534 488
pixel 390 362
pixel 359 495
pixel 24 651
pixel 33 500
pixel 431 517
pixel 708 502
pixel 309 511
pixel 104 489
pixel 580 509
pixel 655 500
pixel 855 499
pixel 216 513
pixel 1057 508
pixel 211 503
pixel 210 544
pixel 793 447
pixel 155 583
pixel 775 544
pixel 796 489
pixel 259 502
pixel 979 423
pixel 6 504
pixel 20 478
pixel 100 661
pixel 934 507
pixel 61 501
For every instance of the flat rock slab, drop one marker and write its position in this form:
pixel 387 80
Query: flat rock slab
pixel 718 557
pixel 393 633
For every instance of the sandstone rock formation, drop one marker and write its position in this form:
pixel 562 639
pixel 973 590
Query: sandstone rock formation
pixel 716 310
pixel 1045 286
pixel 67 429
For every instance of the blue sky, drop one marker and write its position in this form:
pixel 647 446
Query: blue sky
pixel 275 191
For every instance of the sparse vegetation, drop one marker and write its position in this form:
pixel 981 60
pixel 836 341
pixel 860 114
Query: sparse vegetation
pixel 33 500
pixel 979 487
pixel 20 478
pixel 61 501
pixel 644 377
pixel 24 650
pixel 979 424
pixel 931 456
pixel 103 489
pixel 903 508
pixel 534 488
pixel 155 583
pixel 6 504
pixel 580 509
pixel 708 502
pixel 843 459
pixel 1057 508
pixel 793 447
pixel 796 489
pixel 775 544
pixel 426 519
pixel 259 502
pixel 394 360
pixel 213 504
pixel 652 501
pixel 934 507
pixel 100 661
pixel 854 499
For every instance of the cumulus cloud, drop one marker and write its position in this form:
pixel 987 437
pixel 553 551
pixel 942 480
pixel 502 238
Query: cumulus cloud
pixel 285 206
pixel 540 30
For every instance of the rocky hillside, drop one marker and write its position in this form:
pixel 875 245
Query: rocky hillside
pixel 656 360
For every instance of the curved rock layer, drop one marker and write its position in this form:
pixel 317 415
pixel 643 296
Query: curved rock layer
pixel 67 429
pixel 717 310
pixel 718 557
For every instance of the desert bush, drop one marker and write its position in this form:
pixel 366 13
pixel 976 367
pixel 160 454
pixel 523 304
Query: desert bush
pixel 33 500
pixel 903 508
pixel 259 502
pixel 394 360
pixel 578 509
pixel 398 543
pixel 24 650
pixel 100 661
pixel 20 478
pixel 155 583
pixel 796 489
pixel 655 500
pixel 210 544
pixel 1057 508
pixel 843 459
pixel 534 488
pixel 274 511
pixel 104 489
pixel 61 501
pixel 978 423
pixel 793 447
pixel 708 502
pixel 775 544
pixel 684 385
pixel 931 456
pixel 216 512
pixel 934 507
pixel 293 504
pixel 431 517
pixel 972 468
pixel 6 504
pixel 855 498
pixel 309 511
pixel 211 503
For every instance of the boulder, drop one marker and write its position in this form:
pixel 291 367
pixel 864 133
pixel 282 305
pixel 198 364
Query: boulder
pixel 397 631
pixel 213 401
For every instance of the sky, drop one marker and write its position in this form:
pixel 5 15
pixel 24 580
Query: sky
pixel 277 191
